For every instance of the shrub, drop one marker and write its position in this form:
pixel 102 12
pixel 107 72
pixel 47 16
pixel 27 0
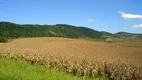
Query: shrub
pixel 3 39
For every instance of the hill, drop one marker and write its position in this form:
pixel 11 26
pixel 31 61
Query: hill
pixel 10 30
pixel 129 36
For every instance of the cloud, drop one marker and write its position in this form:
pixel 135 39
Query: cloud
pixel 90 20
pixel 137 26
pixel 130 16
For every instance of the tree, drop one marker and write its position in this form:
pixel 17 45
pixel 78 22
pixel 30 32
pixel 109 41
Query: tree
pixel 2 39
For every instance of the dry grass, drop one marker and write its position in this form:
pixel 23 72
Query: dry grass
pixel 117 61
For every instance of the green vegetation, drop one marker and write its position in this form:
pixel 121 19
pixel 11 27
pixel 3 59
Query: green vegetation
pixel 3 39
pixel 129 36
pixel 11 69
pixel 11 30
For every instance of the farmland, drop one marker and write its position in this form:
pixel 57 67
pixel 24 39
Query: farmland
pixel 118 61
pixel 20 69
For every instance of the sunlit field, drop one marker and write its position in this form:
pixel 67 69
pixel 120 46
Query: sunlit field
pixel 11 69
pixel 117 61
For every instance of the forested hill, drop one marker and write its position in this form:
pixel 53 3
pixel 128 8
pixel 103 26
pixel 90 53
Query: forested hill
pixel 12 30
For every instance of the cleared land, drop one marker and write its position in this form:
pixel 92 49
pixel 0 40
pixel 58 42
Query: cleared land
pixel 77 56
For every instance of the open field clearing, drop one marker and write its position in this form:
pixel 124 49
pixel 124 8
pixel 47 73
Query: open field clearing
pixel 80 57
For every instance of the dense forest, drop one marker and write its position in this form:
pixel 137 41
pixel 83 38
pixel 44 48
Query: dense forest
pixel 10 30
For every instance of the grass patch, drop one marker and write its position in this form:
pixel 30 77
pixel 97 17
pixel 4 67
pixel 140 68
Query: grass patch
pixel 11 69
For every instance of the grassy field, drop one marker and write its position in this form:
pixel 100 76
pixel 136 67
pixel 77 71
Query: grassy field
pixel 11 69
pixel 116 61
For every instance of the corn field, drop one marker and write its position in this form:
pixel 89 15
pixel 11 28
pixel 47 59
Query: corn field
pixel 115 61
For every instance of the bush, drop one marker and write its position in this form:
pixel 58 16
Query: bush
pixel 3 39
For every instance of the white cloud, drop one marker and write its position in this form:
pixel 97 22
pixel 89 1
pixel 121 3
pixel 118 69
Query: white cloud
pixel 137 26
pixel 130 16
pixel 90 20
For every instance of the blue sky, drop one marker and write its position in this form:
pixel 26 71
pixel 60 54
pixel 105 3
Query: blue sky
pixel 103 15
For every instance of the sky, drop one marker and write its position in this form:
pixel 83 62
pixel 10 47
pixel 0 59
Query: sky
pixel 102 15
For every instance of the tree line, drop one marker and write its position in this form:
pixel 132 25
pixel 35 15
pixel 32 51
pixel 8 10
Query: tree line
pixel 10 30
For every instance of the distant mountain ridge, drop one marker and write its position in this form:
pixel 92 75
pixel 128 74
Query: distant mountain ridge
pixel 10 30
